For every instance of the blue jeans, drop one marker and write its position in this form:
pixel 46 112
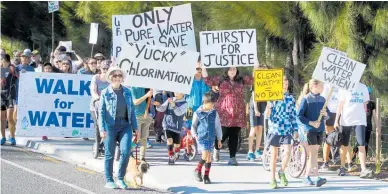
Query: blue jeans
pixel 122 133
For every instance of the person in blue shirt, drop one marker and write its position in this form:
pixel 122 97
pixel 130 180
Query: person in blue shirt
pixel 198 89
pixel 310 109
pixel 282 124
pixel 140 96
pixel 23 67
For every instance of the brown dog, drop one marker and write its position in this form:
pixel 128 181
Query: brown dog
pixel 135 171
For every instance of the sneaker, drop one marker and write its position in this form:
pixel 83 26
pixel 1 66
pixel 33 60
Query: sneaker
pixel 352 167
pixel 171 160
pixel 251 156
pixel 216 155
pixel 341 171
pixel 12 140
pixel 198 176
pixel 206 179
pixel 320 181
pixel 3 141
pixel 44 138
pixel 307 181
pixel 283 179
pixel 149 145
pixel 110 185
pixel 325 166
pixel 121 184
pixel 273 184
pixel 233 161
pixel 258 154
pixel 367 174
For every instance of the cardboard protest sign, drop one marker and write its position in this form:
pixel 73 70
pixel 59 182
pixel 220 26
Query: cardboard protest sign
pixel 158 67
pixel 67 44
pixel 268 84
pixel 93 33
pixel 228 48
pixel 338 70
pixel 170 27
pixel 53 6
pixel 55 105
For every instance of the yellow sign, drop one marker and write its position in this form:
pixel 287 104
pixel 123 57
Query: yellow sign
pixel 268 84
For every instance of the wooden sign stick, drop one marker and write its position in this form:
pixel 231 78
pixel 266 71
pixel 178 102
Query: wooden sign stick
pixel 327 101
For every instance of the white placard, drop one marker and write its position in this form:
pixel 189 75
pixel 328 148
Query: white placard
pixel 93 33
pixel 53 6
pixel 170 27
pixel 228 48
pixel 67 44
pixel 338 70
pixel 158 67
pixel 54 105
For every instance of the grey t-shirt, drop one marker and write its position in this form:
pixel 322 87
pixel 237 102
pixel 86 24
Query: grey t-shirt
pixel 121 110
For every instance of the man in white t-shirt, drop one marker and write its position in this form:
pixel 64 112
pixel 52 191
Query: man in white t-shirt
pixel 352 113
pixel 332 105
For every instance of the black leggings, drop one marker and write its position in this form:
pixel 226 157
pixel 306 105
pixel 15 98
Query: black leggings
pixel 233 134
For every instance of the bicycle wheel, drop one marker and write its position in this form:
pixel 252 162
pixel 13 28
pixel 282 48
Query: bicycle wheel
pixel 266 158
pixel 298 160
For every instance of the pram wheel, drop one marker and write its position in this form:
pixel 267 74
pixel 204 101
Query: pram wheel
pixel 191 152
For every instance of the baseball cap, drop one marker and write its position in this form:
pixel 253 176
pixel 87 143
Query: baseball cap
pixel 27 53
pixel 35 52
pixel 99 55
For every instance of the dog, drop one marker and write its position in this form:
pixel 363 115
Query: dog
pixel 134 171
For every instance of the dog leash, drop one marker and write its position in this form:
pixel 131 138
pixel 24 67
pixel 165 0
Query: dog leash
pixel 135 140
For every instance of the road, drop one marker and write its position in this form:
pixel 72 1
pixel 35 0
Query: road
pixel 27 172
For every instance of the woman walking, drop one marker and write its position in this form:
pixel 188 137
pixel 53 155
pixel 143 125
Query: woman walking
pixel 230 106
pixel 116 120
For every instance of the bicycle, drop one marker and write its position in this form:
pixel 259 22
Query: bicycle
pixel 189 145
pixel 298 159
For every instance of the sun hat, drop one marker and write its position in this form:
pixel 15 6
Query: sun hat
pixel 111 71
pixel 35 52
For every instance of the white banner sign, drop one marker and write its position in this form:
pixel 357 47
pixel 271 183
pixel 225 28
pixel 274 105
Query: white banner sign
pixel 93 33
pixel 336 69
pixel 170 27
pixel 158 67
pixel 228 48
pixel 53 6
pixel 55 105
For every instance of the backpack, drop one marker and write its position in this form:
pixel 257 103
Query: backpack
pixel 172 121
pixel 334 138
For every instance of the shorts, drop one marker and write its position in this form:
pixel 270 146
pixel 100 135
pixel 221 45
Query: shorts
pixel 360 134
pixel 6 103
pixel 144 125
pixel 314 138
pixel 277 140
pixel 254 120
pixel 176 137
pixel 331 120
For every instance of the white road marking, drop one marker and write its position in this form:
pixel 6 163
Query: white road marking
pixel 47 177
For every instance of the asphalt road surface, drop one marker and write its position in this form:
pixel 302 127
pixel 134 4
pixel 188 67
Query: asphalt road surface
pixel 25 172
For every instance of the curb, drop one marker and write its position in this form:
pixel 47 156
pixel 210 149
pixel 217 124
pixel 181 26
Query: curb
pixel 47 149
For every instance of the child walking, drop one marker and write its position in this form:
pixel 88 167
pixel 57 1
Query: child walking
pixel 282 125
pixel 174 110
pixel 206 127
pixel 309 110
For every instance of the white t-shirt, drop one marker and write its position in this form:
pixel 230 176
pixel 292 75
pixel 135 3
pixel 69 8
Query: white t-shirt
pixel 334 100
pixel 354 112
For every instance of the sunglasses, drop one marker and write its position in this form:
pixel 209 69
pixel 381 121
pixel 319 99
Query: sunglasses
pixel 198 69
pixel 105 69
pixel 117 75
pixel 93 63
